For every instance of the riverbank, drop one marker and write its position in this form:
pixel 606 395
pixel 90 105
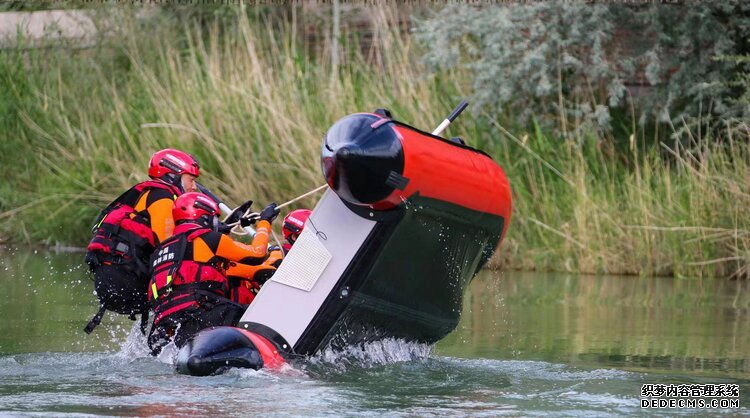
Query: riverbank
pixel 252 101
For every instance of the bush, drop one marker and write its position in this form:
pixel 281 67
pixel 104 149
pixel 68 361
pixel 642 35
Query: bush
pixel 576 65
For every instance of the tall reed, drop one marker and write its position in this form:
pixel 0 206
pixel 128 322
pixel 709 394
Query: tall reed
pixel 252 100
pixel 582 207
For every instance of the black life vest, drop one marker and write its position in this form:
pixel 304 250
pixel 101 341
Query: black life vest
pixel 122 235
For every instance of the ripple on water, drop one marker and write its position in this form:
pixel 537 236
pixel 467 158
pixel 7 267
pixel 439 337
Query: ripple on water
pixel 385 378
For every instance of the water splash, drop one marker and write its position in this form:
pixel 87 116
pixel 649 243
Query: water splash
pixel 372 354
pixel 135 345
pixel 168 354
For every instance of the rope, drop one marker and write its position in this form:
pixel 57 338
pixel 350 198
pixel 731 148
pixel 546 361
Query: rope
pixel 300 197
pixel 237 228
pixel 275 238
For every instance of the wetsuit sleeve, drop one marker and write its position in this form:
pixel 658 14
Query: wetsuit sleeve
pixel 252 254
pixel 159 206
pixel 243 271
pixel 220 245
pixel 247 272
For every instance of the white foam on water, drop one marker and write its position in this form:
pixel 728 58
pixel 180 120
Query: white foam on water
pixel 281 374
pixel 8 361
pixel 286 371
pixel 376 353
pixel 553 371
pixel 604 400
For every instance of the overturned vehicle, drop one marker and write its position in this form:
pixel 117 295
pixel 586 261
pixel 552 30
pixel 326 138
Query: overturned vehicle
pixel 407 221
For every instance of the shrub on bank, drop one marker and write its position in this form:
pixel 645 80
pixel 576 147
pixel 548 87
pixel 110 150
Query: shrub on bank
pixel 252 102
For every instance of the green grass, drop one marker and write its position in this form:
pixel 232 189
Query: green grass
pixel 660 211
pixel 252 101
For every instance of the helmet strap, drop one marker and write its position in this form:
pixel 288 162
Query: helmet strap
pixel 208 221
pixel 174 180
pixel 292 238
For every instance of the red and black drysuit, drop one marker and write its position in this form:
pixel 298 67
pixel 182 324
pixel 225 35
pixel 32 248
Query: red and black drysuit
pixel 190 289
pixel 125 235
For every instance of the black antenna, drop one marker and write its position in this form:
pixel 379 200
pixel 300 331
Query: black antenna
pixel 454 114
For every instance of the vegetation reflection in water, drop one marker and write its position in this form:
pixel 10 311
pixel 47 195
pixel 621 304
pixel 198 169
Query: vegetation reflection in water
pixel 637 323
pixel 48 299
pixel 527 343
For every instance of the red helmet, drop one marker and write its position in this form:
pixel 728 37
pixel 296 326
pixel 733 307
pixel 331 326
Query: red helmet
pixel 294 223
pixel 197 208
pixel 172 164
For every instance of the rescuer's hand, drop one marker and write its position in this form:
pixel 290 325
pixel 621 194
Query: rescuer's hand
pixel 248 220
pixel 269 213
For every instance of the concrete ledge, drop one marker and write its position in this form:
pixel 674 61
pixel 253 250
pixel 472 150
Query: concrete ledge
pixel 44 27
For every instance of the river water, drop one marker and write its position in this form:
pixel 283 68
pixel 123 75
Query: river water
pixel 527 344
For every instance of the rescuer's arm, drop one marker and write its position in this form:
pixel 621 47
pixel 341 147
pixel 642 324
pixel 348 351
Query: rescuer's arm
pixel 247 271
pixel 224 247
pixel 253 253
